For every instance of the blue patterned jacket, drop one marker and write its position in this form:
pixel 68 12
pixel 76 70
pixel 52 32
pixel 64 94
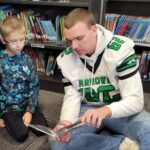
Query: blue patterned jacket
pixel 19 83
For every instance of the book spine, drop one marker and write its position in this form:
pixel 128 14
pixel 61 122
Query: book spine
pixel 41 30
pixel 33 28
pixel 46 30
pixel 52 30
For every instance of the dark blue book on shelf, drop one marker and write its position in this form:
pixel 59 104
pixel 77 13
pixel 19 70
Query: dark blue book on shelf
pixel 57 27
pixel 145 25
pixel 40 28
pixel 121 21
pixel 135 27
pixel 130 23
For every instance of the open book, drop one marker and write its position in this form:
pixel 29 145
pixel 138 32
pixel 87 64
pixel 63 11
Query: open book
pixel 54 134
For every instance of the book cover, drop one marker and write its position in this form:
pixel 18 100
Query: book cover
pixel 33 28
pixel 61 29
pixel 49 64
pixel 54 134
pixel 48 34
pixel 52 30
pixel 38 30
pixel 120 23
pixel 41 30
pixel 57 27
pixel 2 15
pixel 30 34
pixel 143 29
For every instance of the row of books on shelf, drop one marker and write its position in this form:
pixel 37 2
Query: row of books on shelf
pixel 45 61
pixel 134 27
pixel 144 64
pixel 38 27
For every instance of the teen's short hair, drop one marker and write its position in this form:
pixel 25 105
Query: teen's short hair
pixel 79 15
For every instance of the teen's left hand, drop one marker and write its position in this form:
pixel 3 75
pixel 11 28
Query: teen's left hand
pixel 27 117
pixel 95 116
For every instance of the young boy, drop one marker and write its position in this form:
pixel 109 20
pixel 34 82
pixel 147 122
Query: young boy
pixel 19 82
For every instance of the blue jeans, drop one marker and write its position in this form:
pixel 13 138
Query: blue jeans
pixel 136 127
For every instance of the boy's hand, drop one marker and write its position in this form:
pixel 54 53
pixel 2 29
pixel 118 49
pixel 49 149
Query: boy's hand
pixel 2 124
pixel 27 117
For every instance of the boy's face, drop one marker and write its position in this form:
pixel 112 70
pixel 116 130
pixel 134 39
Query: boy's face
pixel 14 42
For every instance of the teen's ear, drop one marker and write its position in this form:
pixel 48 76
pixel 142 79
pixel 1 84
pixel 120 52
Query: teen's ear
pixel 94 29
pixel 1 39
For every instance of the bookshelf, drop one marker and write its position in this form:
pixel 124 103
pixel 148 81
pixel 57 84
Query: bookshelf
pixel 131 8
pixel 52 8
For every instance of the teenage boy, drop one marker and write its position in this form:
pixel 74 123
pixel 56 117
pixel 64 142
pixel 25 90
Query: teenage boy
pixel 102 87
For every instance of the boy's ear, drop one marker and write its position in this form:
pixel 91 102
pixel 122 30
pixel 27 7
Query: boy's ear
pixel 1 39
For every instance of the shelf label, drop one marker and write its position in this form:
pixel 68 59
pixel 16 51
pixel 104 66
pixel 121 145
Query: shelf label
pixel 38 45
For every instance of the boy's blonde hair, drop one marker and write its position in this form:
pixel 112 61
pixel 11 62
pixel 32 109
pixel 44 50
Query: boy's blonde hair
pixel 11 24
pixel 79 15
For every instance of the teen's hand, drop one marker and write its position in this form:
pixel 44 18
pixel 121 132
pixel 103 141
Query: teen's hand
pixel 66 136
pixel 95 117
pixel 27 117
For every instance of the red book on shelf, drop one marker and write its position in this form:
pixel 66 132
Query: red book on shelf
pixel 33 28
pixel 123 29
pixel 43 30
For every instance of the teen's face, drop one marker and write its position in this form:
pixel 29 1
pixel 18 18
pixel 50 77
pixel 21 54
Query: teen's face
pixel 14 42
pixel 81 38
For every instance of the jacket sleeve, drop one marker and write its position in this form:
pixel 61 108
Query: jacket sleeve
pixel 2 99
pixel 2 104
pixel 132 97
pixel 33 88
pixel 72 99
pixel 130 84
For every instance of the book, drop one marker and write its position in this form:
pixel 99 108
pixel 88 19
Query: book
pixel 36 36
pixel 38 30
pixel 41 29
pixel 57 27
pixel 42 60
pixel 46 29
pixel 61 29
pixel 144 29
pixel 50 64
pixel 54 134
pixel 52 30
pixel 2 15
pixel 29 34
